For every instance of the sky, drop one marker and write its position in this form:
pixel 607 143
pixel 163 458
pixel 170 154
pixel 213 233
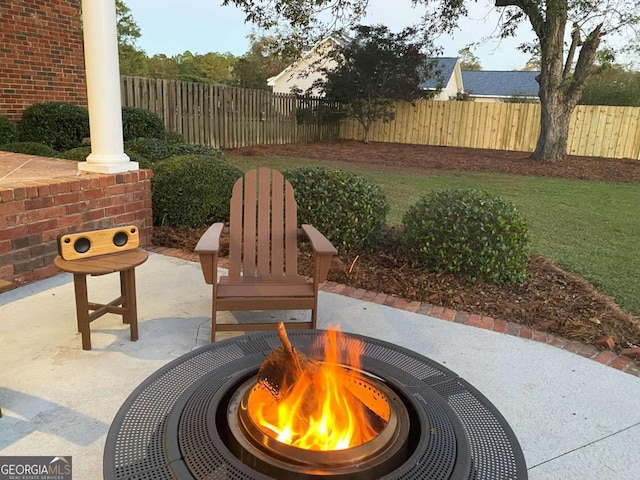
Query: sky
pixel 202 26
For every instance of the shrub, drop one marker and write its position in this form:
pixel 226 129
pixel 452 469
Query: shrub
pixel 173 137
pixel 153 149
pixel 348 209
pixel 8 131
pixel 192 190
pixel 80 154
pixel 188 149
pixel 29 148
pixel 140 122
pixel 143 162
pixel 469 232
pixel 60 125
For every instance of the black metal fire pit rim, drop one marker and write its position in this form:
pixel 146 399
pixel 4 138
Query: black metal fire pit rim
pixel 172 447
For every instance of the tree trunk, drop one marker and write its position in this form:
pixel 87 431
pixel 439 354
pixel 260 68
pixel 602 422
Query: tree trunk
pixel 555 109
pixel 366 127
pixel 554 129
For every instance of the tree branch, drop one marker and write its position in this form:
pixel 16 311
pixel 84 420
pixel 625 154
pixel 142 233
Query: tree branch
pixel 575 41
pixel 531 10
pixel 587 55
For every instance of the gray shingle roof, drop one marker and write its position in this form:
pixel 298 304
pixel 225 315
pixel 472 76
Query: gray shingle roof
pixel 500 84
pixel 441 72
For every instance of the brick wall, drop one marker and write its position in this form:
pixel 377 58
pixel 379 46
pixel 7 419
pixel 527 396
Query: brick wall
pixel 32 217
pixel 41 54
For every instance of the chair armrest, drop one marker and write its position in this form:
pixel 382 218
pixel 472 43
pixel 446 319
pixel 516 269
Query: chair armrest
pixel 323 250
pixel 207 249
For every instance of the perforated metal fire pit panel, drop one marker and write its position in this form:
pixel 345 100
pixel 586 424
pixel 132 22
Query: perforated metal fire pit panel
pixel 457 417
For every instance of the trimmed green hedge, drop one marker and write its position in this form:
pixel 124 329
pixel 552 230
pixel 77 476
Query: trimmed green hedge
pixel 140 122
pixel 468 232
pixel 192 190
pixel 348 209
pixel 29 148
pixel 60 125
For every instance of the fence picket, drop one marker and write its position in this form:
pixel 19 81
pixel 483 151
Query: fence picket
pixel 231 117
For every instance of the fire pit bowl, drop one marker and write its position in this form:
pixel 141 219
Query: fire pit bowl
pixel 184 422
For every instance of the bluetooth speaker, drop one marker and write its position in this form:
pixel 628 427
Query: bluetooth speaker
pixel 72 246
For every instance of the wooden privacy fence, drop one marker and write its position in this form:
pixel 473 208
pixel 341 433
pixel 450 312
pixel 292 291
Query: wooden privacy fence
pixel 593 131
pixel 229 117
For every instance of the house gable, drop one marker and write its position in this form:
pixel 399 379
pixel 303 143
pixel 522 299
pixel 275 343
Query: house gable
pixel 446 75
pixel 302 73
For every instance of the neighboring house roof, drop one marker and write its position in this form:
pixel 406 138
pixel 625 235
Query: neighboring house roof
pixel 441 73
pixel 500 84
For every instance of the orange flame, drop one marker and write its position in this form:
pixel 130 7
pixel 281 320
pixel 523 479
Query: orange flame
pixel 318 412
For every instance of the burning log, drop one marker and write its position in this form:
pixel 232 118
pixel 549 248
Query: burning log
pixel 287 373
pixel 283 367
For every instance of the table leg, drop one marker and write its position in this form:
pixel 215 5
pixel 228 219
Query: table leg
pixel 128 283
pixel 82 308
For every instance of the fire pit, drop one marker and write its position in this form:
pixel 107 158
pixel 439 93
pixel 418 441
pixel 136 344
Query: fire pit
pixel 190 420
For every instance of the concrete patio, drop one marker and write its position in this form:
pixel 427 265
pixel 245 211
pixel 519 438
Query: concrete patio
pixel 574 418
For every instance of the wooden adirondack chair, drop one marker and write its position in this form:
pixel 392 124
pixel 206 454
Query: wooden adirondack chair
pixel 263 251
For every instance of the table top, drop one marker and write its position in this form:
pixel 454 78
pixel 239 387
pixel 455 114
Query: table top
pixel 103 264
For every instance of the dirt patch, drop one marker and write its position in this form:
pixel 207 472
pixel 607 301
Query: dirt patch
pixel 551 300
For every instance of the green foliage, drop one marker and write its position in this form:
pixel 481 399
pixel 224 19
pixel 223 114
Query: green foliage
pixel 348 209
pixel 613 86
pixel 462 97
pixel 60 125
pixel 8 131
pixel 210 67
pixel 519 97
pixel 143 162
pixel 153 149
pixel 374 69
pixel 173 137
pixel 80 154
pixel 468 61
pixel 261 62
pixel 189 149
pixel 192 190
pixel 140 122
pixel 29 148
pixel 127 28
pixel 468 232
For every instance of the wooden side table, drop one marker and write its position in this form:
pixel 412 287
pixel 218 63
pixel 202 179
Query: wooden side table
pixel 124 262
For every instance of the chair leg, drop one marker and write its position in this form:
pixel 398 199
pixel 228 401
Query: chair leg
pixel 82 308
pixel 214 313
pixel 314 313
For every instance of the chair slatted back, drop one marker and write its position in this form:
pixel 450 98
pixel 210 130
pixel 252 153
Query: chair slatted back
pixel 262 226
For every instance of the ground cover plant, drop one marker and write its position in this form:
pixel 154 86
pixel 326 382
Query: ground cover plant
pixel 582 215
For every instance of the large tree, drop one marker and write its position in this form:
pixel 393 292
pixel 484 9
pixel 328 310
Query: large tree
pixel 373 70
pixel 132 60
pixel 468 61
pixel 569 33
pixel 262 61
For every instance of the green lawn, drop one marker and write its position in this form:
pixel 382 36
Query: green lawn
pixel 590 228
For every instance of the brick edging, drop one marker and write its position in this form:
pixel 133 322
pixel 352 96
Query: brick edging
pixel 605 357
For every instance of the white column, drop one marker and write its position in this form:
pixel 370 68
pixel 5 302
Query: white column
pixel 103 89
